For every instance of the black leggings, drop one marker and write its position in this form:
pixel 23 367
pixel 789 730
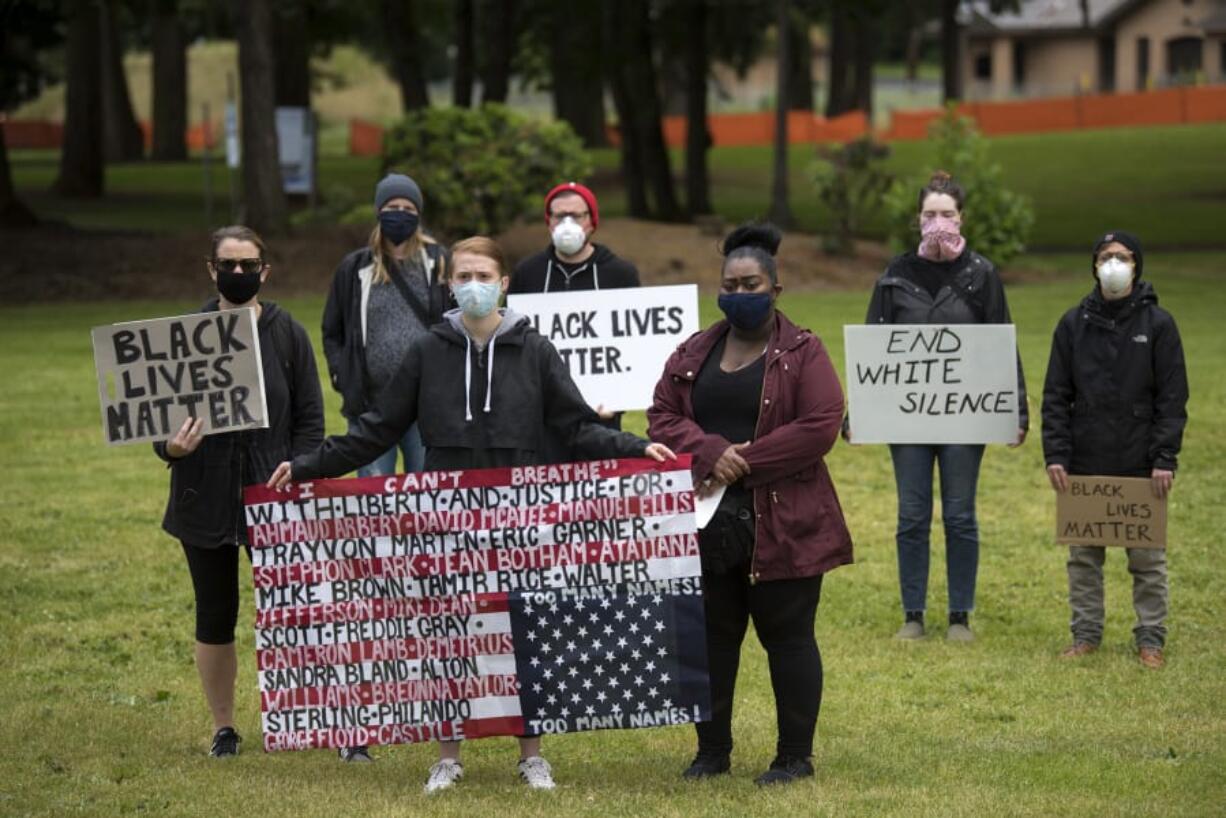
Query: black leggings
pixel 215 580
pixel 783 613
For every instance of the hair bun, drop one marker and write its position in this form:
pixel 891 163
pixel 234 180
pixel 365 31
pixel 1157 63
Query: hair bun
pixel 756 234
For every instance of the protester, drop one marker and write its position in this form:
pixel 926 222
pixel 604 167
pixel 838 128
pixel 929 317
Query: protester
pixel 1114 403
pixel 207 474
pixel 757 401
pixel 515 388
pixel 383 296
pixel 941 282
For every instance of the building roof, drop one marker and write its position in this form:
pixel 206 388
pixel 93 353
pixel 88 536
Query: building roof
pixel 1041 16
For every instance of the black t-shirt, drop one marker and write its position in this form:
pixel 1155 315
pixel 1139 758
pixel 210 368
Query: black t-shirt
pixel 726 403
pixel 931 275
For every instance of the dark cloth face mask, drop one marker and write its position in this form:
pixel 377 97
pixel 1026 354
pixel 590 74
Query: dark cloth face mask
pixel 746 311
pixel 398 226
pixel 237 287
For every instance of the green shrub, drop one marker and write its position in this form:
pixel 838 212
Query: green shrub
pixel 849 180
pixel 995 221
pixel 480 169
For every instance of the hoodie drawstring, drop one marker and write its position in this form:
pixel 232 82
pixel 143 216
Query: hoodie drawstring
pixel 489 378
pixel 595 276
pixel 549 275
pixel 468 377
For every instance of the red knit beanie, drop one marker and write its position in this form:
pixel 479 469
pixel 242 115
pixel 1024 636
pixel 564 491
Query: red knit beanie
pixel 584 193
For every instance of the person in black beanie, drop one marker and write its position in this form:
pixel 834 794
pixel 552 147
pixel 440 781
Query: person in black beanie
pixel 1115 403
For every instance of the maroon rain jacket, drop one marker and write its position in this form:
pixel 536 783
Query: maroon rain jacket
pixel 799 528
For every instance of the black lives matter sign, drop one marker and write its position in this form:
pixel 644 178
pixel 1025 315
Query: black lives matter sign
pixel 153 375
pixel 1120 511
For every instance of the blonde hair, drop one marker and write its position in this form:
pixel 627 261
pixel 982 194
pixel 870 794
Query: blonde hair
pixel 481 246
pixel 378 247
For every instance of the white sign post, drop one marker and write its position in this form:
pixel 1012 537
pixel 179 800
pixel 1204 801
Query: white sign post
pixel 296 149
pixel 153 374
pixel 615 342
pixel 932 383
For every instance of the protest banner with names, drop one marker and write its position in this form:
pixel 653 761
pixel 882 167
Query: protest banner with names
pixel 1121 511
pixel 462 604
pixel 932 383
pixel 153 375
pixel 614 342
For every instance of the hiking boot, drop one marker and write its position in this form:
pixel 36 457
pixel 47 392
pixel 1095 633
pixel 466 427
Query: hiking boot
pixel 1151 656
pixel 355 755
pixel 910 630
pixel 1077 650
pixel 785 770
pixel 536 773
pixel 225 743
pixel 707 765
pixel 443 775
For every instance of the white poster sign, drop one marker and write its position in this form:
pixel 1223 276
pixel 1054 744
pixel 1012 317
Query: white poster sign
pixel 614 342
pixel 296 149
pixel 233 152
pixel 932 383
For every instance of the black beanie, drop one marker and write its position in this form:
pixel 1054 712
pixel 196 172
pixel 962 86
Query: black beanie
pixel 1128 240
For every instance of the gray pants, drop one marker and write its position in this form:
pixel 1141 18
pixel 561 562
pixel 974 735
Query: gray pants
pixel 1085 593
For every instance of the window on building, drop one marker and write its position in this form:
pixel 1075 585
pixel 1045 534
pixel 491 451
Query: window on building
pixel 1019 64
pixel 1142 63
pixel 1184 59
pixel 983 66
pixel 1106 64
pixel 1222 67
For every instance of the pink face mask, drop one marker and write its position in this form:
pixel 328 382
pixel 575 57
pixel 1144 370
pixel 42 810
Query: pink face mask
pixel 941 239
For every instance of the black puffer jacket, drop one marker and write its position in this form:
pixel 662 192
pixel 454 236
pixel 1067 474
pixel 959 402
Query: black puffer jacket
pixel 206 487
pixel 1115 398
pixel 532 394
pixel 974 294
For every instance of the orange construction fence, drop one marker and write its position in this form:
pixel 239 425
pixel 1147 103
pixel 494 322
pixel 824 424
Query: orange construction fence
pixel 32 133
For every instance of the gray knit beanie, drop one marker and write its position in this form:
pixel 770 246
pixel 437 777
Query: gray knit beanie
pixel 396 185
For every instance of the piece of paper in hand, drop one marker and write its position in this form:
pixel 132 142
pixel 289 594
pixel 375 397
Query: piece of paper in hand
pixel 704 509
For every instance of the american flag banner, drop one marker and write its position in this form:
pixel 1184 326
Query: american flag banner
pixel 461 604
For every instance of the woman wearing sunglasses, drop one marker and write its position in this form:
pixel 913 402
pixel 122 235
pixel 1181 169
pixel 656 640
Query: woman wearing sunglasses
pixel 207 474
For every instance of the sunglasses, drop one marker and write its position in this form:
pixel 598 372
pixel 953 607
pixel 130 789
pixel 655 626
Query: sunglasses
pixel 250 266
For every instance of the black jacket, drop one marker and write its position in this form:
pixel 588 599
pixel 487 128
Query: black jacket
pixel 205 508
pixel 974 295
pixel 1116 393
pixel 532 395
pixel 344 343
pixel 539 273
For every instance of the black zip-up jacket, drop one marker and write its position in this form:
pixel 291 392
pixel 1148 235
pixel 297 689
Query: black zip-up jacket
pixel 539 273
pixel 344 344
pixel 205 508
pixel 973 294
pixel 532 395
pixel 1116 394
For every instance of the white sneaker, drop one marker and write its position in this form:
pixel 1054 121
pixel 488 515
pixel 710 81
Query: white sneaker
pixel 443 775
pixel 536 773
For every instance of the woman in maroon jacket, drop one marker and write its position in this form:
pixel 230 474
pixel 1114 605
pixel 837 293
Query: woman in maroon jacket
pixel 757 402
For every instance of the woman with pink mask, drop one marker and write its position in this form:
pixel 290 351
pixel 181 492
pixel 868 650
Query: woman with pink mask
pixel 942 281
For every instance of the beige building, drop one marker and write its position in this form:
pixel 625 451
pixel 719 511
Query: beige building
pixel 1063 47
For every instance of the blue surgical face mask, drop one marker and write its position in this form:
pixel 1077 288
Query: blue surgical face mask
pixel 476 299
pixel 746 311
pixel 398 226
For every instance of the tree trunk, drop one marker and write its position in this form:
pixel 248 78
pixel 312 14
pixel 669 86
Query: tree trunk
pixel 780 211
pixel 951 58
pixel 915 41
pixel 575 64
pixel 263 194
pixel 697 137
pixel 462 78
pixel 13 212
pixel 169 84
pixel 633 174
pixel 864 32
pixel 291 55
pixel 838 96
pixel 500 34
pixel 401 29
pixel 81 172
pixel 640 78
pixel 122 137
pixel 800 65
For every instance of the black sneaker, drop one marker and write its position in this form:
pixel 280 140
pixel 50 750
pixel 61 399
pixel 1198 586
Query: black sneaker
pixel 225 743
pixel 355 755
pixel 707 765
pixel 785 770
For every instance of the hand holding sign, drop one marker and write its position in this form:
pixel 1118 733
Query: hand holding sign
pixel 659 452
pixel 281 477
pixel 731 466
pixel 186 439
pixel 1058 477
pixel 1162 480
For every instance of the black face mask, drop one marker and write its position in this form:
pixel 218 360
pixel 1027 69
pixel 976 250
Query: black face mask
pixel 237 287
pixel 398 226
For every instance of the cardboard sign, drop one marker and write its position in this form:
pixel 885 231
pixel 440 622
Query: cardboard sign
pixel 461 604
pixel 932 383
pixel 615 342
pixel 1119 511
pixel 153 375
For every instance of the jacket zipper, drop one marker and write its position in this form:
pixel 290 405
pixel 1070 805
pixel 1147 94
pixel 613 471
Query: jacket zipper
pixel 753 552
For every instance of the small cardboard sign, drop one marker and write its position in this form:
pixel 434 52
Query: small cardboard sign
pixel 153 374
pixel 1120 511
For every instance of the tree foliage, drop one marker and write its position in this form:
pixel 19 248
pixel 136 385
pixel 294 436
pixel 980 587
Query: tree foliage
pixel 850 180
pixel 482 168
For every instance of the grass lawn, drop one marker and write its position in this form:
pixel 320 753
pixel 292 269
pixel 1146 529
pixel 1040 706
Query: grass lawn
pixel 102 712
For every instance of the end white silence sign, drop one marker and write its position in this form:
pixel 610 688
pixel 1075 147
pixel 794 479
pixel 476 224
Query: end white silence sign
pixel 932 383
pixel 614 342
pixel 153 375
